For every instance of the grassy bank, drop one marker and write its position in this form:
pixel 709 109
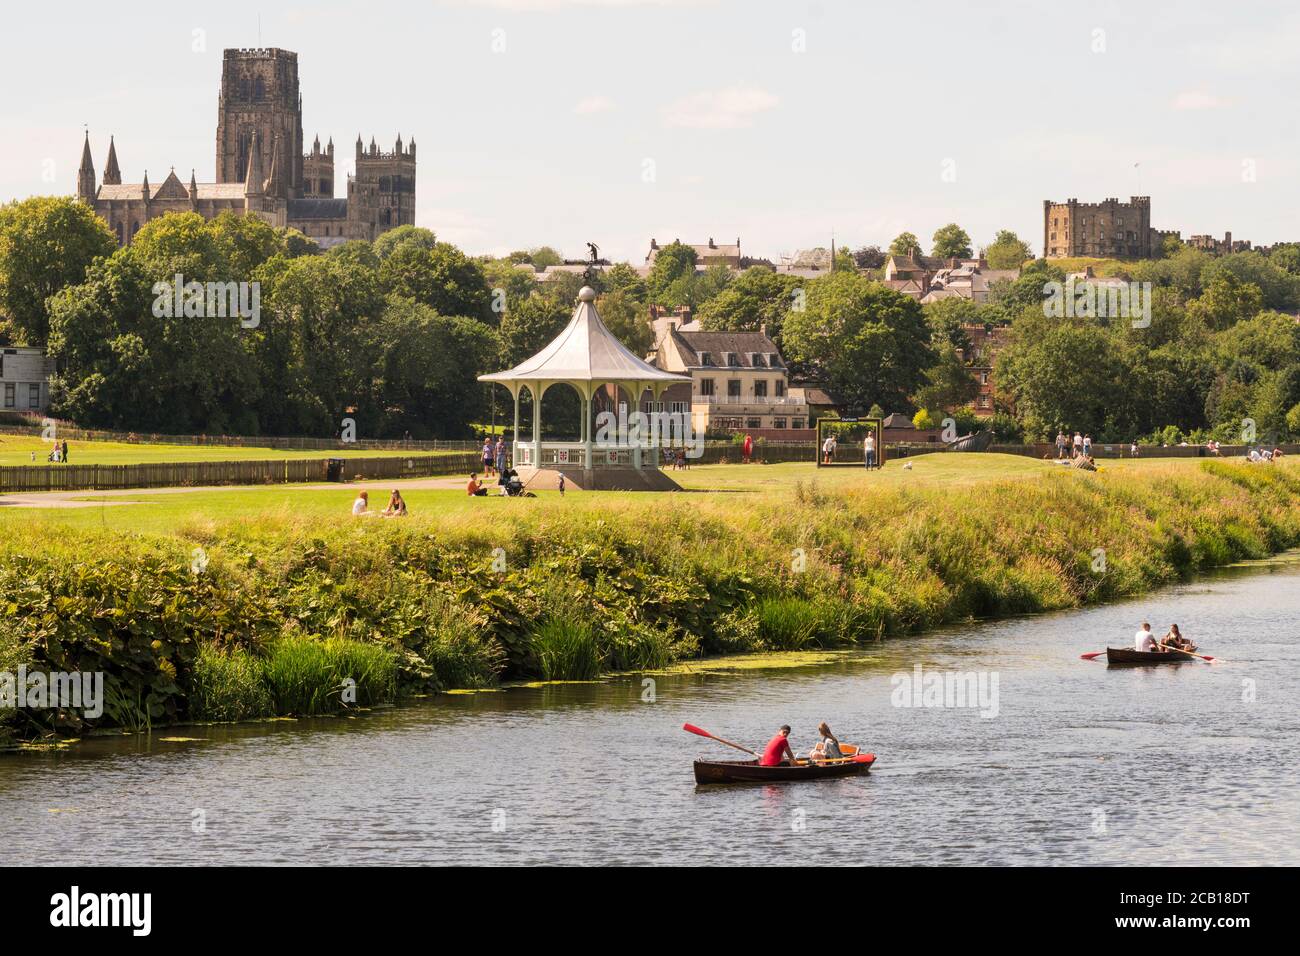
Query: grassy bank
pixel 305 611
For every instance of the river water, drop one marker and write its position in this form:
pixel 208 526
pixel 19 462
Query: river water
pixel 1082 763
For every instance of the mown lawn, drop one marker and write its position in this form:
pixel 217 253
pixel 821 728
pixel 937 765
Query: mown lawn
pixel 713 488
pixel 18 450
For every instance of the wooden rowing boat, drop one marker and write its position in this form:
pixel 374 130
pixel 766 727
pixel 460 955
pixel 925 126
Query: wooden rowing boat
pixel 748 771
pixel 1126 655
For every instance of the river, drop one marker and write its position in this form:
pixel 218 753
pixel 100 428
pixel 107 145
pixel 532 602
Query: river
pixel 1082 764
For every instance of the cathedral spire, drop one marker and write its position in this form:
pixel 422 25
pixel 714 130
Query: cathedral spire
pixel 112 174
pixel 86 174
pixel 144 187
pixel 253 181
pixel 275 179
pixel 194 187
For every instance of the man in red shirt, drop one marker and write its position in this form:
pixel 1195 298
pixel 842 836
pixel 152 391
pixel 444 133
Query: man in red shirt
pixel 778 749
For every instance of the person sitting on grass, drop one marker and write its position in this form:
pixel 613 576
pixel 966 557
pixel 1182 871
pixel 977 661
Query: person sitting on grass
pixel 474 489
pixel 362 505
pixel 396 506
pixel 778 750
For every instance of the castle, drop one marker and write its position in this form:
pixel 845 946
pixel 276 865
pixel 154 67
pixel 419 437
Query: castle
pixel 262 169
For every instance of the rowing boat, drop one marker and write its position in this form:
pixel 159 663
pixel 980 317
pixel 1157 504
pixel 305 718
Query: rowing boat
pixel 748 771
pixel 1126 655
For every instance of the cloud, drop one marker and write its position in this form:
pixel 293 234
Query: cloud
pixel 732 108
pixel 594 104
pixel 1196 100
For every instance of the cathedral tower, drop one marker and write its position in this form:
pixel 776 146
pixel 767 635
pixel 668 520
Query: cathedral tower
pixel 259 94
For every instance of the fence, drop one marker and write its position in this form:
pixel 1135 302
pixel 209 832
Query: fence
pixel 204 473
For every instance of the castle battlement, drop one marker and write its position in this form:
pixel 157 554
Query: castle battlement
pixel 258 53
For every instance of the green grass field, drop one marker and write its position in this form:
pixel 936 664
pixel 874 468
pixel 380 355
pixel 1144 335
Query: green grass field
pixel 18 450
pixel 713 488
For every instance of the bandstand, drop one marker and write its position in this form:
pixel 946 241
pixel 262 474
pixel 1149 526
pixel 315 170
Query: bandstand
pixel 588 357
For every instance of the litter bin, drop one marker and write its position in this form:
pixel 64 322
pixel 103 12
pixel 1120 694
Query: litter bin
pixel 333 469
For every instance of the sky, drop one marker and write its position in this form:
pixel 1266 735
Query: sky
pixel 783 124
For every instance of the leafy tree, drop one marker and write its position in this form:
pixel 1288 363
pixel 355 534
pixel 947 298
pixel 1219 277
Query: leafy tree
pixel 1287 257
pixel 527 326
pixel 951 242
pixel 670 276
pixel 1278 288
pixel 355 250
pixel 905 244
pixel 758 297
pixel 1008 251
pixel 46 244
pixel 394 239
pixel 627 319
pixel 442 277
pixel 865 342
pixel 1226 301
pixel 869 257
pixel 948 383
pixel 621 277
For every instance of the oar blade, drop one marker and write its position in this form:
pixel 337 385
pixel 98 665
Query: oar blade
pixel 692 729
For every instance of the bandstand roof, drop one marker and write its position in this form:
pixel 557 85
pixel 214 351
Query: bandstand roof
pixel 585 351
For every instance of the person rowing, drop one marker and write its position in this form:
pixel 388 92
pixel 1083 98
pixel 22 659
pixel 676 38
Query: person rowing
pixel 1144 640
pixel 1175 641
pixel 777 751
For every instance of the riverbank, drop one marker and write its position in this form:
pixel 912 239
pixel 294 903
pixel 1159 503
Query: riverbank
pixel 285 613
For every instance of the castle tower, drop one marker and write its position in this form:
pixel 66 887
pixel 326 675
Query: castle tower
pixel 112 174
pixel 86 174
pixel 318 172
pixel 259 94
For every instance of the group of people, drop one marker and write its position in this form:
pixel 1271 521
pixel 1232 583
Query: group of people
pixel 1144 640
pixel 58 454
pixel 1078 447
pixel 508 483
pixel 1263 454
pixel 831 444
pixel 778 752
pixel 494 456
pixel 396 506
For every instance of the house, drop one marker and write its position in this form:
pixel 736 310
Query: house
pixel 739 382
pixel 707 254
pixel 24 379
pixel 897 428
pixel 985 343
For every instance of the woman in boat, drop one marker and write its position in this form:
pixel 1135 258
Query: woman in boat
pixel 1175 640
pixel 828 748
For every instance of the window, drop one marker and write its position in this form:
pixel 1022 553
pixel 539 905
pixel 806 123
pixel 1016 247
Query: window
pixel 733 360
pixel 733 388
pixel 678 408
pixel 753 423
pixel 9 396
pixel 984 378
pixel 778 423
pixel 774 360
pixel 706 386
pixel 756 359
pixel 796 423
pixel 760 389
pixel 706 359
pixel 33 396
pixel 780 387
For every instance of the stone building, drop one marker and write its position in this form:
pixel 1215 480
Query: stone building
pixel 261 168
pixel 707 254
pixel 1109 229
pixel 24 379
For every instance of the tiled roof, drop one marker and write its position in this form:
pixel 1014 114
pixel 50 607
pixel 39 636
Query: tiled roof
pixel 318 208
pixel 718 344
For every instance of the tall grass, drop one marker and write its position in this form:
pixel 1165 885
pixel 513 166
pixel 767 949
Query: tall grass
pixel 594 583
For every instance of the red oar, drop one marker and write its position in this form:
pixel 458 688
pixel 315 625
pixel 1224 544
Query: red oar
pixel 1093 656
pixel 692 729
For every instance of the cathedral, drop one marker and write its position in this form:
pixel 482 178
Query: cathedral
pixel 262 167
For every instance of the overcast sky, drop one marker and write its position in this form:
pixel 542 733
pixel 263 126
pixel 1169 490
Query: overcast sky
pixel 562 121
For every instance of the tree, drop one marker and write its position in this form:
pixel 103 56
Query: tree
pixel 394 239
pixel 948 383
pixel 869 257
pixel 865 342
pixel 906 245
pixel 1226 301
pixel 670 276
pixel 621 277
pixel 757 298
pixel 627 319
pixel 951 242
pixel 46 244
pixel 529 325
pixel 1008 251
pixel 442 277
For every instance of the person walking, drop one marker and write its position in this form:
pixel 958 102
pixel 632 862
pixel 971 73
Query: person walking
pixel 869 449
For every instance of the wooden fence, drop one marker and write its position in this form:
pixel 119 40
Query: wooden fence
pixel 73 477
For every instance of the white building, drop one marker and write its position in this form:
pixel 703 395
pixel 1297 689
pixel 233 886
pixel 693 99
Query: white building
pixel 24 379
